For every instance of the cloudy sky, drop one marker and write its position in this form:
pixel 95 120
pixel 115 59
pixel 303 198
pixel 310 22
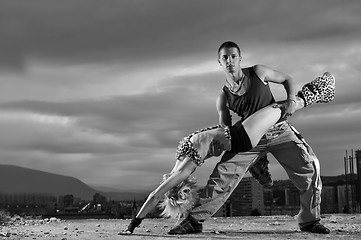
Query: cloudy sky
pixel 104 90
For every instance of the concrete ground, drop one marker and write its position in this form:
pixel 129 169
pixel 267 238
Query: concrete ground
pixel 342 226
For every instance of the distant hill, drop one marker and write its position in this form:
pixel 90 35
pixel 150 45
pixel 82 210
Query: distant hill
pixel 125 196
pixel 17 180
pixel 14 179
pixel 117 195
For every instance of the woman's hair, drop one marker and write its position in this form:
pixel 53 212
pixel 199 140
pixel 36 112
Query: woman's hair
pixel 180 200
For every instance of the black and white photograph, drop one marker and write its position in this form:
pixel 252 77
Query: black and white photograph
pixel 171 119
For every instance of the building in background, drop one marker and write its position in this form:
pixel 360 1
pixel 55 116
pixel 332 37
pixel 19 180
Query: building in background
pixel 246 200
pixel 283 198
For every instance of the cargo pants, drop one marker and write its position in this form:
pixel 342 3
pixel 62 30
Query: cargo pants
pixel 291 151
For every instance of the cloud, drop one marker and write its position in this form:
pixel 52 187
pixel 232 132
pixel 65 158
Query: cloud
pixel 90 87
pixel 24 131
pixel 90 31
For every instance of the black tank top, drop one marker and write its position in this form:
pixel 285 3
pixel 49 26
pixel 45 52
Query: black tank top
pixel 258 96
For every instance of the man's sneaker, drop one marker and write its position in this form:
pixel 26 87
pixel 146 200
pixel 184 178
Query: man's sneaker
pixel 261 173
pixel 188 226
pixel 315 228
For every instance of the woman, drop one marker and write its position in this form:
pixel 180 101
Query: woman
pixel 203 144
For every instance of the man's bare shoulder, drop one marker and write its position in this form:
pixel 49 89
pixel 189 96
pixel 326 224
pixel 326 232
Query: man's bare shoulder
pixel 261 71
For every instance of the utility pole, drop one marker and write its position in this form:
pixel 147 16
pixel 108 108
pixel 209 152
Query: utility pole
pixel 358 185
pixel 346 178
pixel 353 179
pixel 350 158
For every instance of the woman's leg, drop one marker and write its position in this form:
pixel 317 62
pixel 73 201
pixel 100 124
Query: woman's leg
pixel 261 121
pixel 320 90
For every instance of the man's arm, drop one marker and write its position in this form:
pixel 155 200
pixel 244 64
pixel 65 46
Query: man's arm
pixel 267 74
pixel 224 115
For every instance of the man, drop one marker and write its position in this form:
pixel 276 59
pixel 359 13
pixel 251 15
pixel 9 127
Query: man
pixel 246 91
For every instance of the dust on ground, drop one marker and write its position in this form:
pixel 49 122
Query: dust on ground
pixel 342 226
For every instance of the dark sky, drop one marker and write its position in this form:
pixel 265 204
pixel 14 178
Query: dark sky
pixel 104 90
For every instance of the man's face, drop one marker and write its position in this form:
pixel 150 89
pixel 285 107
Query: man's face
pixel 230 59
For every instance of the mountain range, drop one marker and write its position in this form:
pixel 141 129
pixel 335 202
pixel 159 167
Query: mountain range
pixel 20 180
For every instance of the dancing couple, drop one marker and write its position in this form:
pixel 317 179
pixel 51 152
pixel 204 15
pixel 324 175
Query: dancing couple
pixel 263 128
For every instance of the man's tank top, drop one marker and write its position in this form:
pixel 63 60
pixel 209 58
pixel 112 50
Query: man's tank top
pixel 258 96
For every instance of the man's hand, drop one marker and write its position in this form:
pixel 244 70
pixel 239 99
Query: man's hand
pixel 288 107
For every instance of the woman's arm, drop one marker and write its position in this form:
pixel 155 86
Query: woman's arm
pixel 180 172
pixel 184 170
